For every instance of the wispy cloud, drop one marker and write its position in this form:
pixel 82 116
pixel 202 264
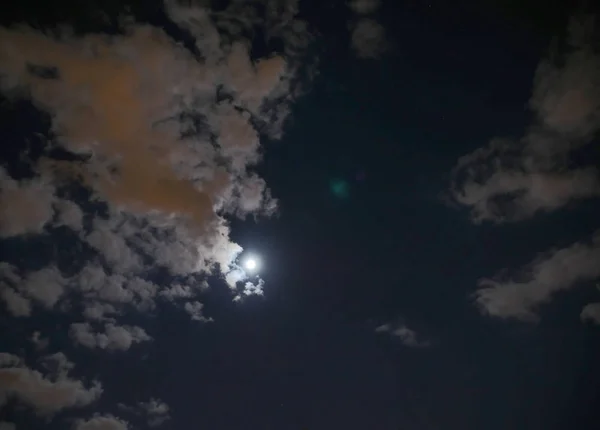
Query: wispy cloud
pixel 407 336
pixel 536 283
pixel 154 411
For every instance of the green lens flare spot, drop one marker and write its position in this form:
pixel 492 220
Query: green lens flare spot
pixel 339 188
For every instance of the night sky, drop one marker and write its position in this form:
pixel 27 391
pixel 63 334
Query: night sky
pixel 400 286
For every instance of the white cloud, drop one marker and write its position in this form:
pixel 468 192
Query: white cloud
pixel 113 338
pixel 407 336
pixel 46 286
pixel 43 394
pixel 539 281
pixel 102 422
pixel 26 206
pixel 195 310
pixel 510 180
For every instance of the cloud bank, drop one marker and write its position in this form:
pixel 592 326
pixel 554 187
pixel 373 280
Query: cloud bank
pixel 163 138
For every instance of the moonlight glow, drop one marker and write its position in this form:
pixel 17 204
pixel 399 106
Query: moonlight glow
pixel 251 264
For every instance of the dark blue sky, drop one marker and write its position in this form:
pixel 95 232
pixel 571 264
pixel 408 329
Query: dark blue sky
pixel 306 355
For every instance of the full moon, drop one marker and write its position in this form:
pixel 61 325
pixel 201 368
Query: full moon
pixel 251 264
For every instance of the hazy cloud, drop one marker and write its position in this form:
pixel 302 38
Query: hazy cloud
pixel 26 206
pixel 368 38
pixel 364 7
pixel 102 422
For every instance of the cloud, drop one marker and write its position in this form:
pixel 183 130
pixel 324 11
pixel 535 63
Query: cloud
pixel 536 283
pixel 39 342
pixel 113 248
pixel 194 309
pixel 368 38
pixel 98 311
pixel 57 364
pixel 45 394
pixel 120 99
pixel 69 215
pixel 25 206
pixel 407 336
pixel 163 140
pixel 45 286
pixel 155 411
pixel 510 180
pixel 16 304
pixel 364 7
pixel 591 313
pixel 113 338
pixel 102 422
pixel 7 359
pixel 177 291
